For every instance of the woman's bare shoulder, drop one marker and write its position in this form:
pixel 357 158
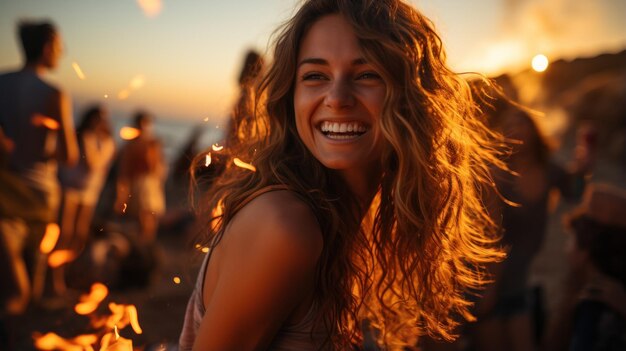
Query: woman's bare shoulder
pixel 278 221
pixel 266 261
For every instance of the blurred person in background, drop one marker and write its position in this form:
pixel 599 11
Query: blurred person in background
pixel 141 178
pixel 241 119
pixel 82 183
pixel 592 316
pixel 522 208
pixel 37 133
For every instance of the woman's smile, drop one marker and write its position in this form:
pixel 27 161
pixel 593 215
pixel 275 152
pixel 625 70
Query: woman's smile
pixel 338 98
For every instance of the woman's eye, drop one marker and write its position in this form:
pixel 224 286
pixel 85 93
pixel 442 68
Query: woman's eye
pixel 313 76
pixel 368 75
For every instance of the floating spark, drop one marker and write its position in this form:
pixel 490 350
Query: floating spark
pixel 217 147
pixel 240 163
pixel 79 72
pixel 207 160
pixel 44 121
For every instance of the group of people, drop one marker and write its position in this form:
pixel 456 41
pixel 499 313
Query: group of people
pixel 383 209
pixel 52 174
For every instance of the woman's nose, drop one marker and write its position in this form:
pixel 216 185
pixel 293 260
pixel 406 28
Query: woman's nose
pixel 340 95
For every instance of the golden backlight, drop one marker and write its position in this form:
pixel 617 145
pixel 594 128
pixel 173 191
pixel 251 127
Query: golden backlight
pixel 540 63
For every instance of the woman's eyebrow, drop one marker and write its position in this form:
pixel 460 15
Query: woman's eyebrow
pixel 321 61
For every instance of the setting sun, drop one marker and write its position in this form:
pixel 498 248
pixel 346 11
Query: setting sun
pixel 540 63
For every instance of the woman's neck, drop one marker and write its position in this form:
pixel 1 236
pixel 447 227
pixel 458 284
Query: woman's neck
pixel 363 184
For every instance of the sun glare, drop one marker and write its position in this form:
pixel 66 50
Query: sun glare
pixel 540 63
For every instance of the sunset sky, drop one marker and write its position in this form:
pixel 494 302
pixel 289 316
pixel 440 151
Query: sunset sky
pixel 180 58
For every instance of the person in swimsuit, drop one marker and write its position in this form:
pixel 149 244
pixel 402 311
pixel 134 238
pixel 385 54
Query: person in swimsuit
pixel 363 202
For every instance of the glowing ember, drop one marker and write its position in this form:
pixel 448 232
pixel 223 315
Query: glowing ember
pixel 240 163
pixel 50 238
pixel 150 8
pixel 79 72
pixel 217 147
pixel 60 257
pixel 106 96
pixel 206 119
pixel 207 160
pixel 124 208
pixel 205 249
pixel 44 121
pixel 176 280
pixel 90 302
pixel 540 63
pixel 129 133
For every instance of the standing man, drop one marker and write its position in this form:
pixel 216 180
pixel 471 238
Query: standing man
pixel 37 133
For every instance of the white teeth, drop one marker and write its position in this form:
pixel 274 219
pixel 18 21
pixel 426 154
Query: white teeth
pixel 336 127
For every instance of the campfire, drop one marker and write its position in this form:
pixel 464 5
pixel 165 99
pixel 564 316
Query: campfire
pixel 105 336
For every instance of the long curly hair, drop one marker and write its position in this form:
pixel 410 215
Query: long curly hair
pixel 408 266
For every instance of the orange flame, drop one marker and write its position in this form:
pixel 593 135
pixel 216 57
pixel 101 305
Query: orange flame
pixel 60 257
pixel 240 163
pixel 108 337
pixel 50 238
pixel 129 133
pixel 79 72
pixel 217 147
pixel 134 319
pixel 39 120
pixel 119 343
pixel 90 302
pixel 52 341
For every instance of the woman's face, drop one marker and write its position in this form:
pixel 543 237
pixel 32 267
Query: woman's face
pixel 338 98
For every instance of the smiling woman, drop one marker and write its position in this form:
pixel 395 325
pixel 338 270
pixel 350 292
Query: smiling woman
pixel 364 202
pixel 338 101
